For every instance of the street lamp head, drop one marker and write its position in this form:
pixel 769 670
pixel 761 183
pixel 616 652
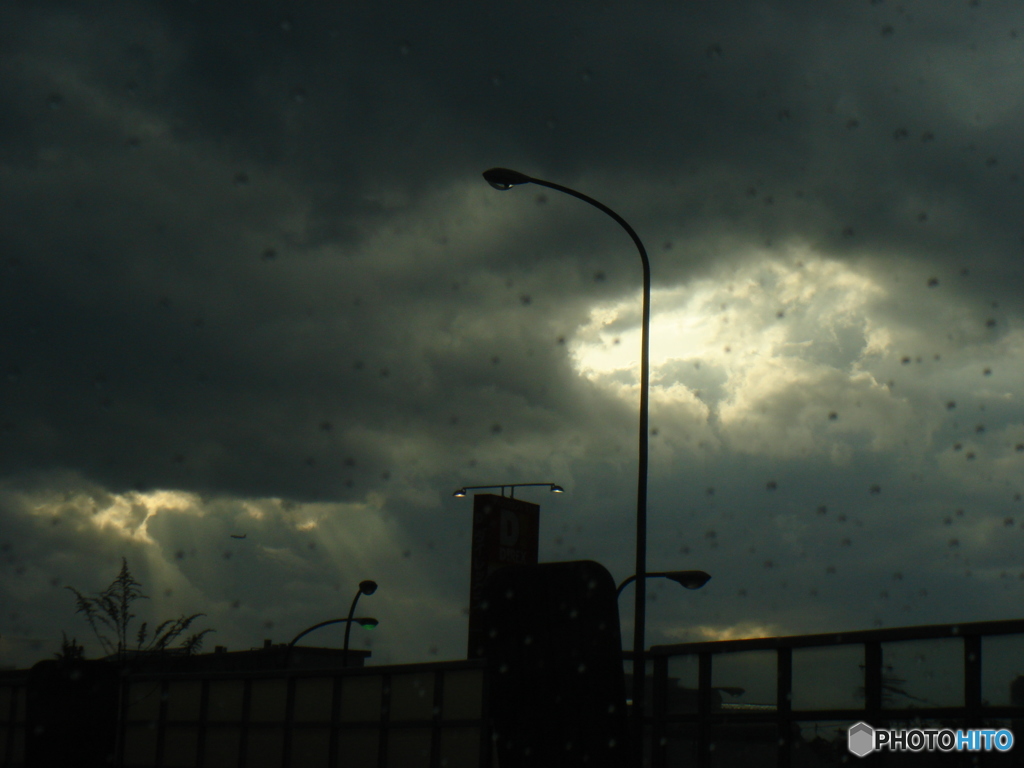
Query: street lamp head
pixel 503 178
pixel 557 489
pixel 367 587
pixel 460 494
pixel 689 579
pixel 368 623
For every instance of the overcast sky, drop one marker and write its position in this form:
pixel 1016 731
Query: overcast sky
pixel 254 283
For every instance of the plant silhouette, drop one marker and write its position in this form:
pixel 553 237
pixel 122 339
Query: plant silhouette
pixel 110 612
pixel 70 650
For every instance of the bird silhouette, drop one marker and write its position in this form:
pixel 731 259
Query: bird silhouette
pixel 236 536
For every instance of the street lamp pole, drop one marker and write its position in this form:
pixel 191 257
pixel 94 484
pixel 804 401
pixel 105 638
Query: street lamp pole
pixel 366 587
pixel 503 179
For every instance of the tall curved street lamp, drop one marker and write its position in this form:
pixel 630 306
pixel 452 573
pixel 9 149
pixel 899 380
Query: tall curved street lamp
pixel 689 579
pixel 504 179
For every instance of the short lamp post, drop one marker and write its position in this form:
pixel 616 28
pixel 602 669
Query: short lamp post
pixel 367 622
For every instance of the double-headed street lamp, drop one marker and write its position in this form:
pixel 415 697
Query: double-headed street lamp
pixel 503 179
pixel 461 492
pixel 366 587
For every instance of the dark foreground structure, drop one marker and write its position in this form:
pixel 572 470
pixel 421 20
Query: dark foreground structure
pixel 782 701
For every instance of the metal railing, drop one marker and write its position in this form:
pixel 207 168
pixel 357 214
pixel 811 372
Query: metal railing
pixel 787 701
pixel 417 715
pixel 763 702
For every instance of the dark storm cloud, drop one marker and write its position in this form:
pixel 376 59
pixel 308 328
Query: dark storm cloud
pixel 247 254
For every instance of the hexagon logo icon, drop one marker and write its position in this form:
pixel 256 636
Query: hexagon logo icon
pixel 861 739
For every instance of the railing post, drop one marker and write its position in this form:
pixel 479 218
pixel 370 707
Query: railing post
pixel 435 729
pixel 289 720
pixel 659 707
pixel 703 709
pixel 204 716
pixel 783 704
pixel 332 747
pixel 972 679
pixel 873 681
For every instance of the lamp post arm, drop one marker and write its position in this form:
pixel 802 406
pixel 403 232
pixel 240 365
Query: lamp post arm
pixel 601 206
pixel 625 584
pixel 305 632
